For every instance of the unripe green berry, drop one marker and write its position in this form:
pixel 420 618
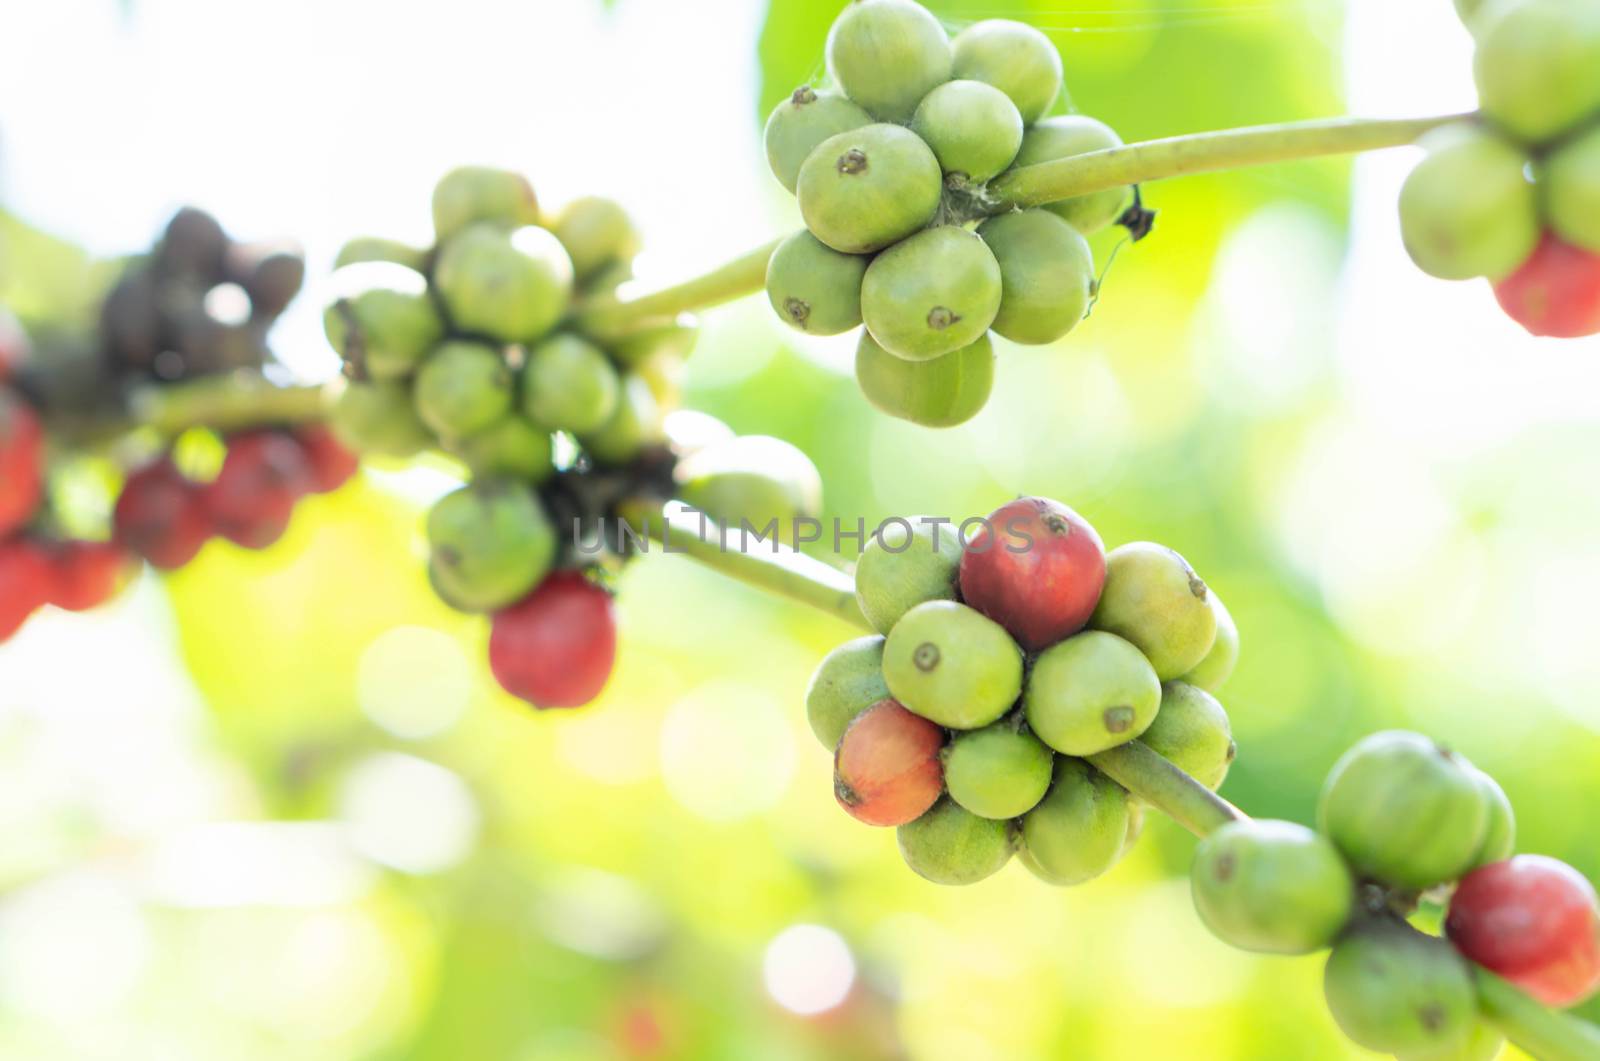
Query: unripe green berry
pixel 672 341
pixel 379 419
pixel 1153 598
pixel 901 568
pixel 490 544
pixel 510 286
pixel 1213 672
pixel 931 294
pixel 1571 184
pixel 473 194
pixel 973 128
pixel 847 682
pixel 1500 835
pixel 952 665
pixel 950 845
pixel 1063 137
pixel 1046 275
pixel 633 424
pixel 1468 209
pixel 754 481
pixel 1395 990
pixel 813 288
pixel 462 388
pixel 596 233
pixel 944 392
pixel 1078 831
pixel 383 323
pixel 801 122
pixel 1272 887
pixel 1091 692
pixel 1538 66
pixel 863 190
pixel 509 448
pixel 568 384
pixel 1000 771
pixel 887 55
pixel 1013 57
pixel 1191 731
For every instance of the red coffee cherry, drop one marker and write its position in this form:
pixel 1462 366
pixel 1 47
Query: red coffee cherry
pixel 25 583
pixel 555 647
pixel 330 463
pixel 161 516
pixel 86 574
pixel 21 463
pixel 1556 292
pixel 1037 569
pixel 887 770
pixel 1533 920
pixel 253 496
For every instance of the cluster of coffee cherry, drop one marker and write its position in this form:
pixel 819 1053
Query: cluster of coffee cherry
pixel 1400 818
pixel 476 347
pixel 1515 195
pixel 891 170
pixel 1006 657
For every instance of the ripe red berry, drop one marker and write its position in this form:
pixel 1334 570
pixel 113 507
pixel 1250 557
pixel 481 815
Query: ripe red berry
pixel 330 463
pixel 254 494
pixel 86 574
pixel 555 647
pixel 25 583
pixel 887 769
pixel 1533 920
pixel 1556 292
pixel 161 516
pixel 21 463
pixel 1037 569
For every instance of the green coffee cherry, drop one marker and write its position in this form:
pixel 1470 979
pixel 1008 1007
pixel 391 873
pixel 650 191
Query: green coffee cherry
pixel 1405 811
pixel 1000 771
pixel 949 845
pixel 1500 835
pixel 1191 731
pixel 569 385
pixel 1538 66
pixel 1272 887
pixel 473 194
pixel 1392 989
pixel 595 233
pixel 1571 183
pixel 931 294
pixel 1091 692
pixel 379 419
pixel 973 128
pixel 1484 1044
pixel 847 682
pixel 752 481
pixel 944 392
pixel 813 288
pixel 672 341
pixel 1013 57
pixel 1079 829
pixel 490 544
pixel 462 388
pixel 900 569
pixel 1153 598
pixel 887 55
pixel 1213 672
pixel 509 286
pixel 384 323
pixel 1046 275
pixel 953 666
pixel 509 448
pixel 633 424
pixel 378 249
pixel 1468 209
pixel 801 122
pixel 1063 137
pixel 863 190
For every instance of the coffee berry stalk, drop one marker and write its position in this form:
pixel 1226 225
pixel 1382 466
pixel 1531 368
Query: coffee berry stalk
pixel 939 729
